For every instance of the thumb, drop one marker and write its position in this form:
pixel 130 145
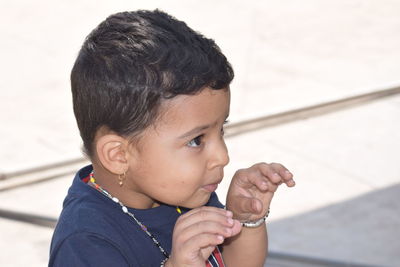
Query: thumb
pixel 248 205
pixel 206 252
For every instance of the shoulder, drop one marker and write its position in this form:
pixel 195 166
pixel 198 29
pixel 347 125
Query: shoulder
pixel 91 224
pixel 88 249
pixel 87 224
pixel 85 211
pixel 90 234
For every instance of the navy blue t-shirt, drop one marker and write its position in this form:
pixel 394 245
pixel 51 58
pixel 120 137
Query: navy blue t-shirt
pixel 93 231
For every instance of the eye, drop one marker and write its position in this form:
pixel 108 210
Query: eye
pixel 195 142
pixel 222 129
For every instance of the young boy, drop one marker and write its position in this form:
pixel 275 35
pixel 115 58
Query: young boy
pixel 150 97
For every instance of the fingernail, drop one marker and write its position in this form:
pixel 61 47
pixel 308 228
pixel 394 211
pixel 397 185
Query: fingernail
pixel 229 213
pixel 276 174
pixel 264 185
pixel 230 221
pixel 220 237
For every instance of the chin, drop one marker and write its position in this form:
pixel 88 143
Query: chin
pixel 195 204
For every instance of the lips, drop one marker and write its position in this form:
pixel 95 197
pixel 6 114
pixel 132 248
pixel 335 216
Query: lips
pixel 210 187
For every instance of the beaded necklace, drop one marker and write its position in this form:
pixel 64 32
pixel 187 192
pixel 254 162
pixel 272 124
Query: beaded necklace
pixel 92 183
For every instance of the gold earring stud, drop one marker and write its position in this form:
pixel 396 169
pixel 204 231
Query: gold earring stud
pixel 121 178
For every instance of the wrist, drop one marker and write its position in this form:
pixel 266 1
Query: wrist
pixel 255 223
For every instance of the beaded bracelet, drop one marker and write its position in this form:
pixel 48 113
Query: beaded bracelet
pixel 254 224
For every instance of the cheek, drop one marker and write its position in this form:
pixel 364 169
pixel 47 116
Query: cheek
pixel 190 171
pixel 163 185
pixel 180 166
pixel 172 170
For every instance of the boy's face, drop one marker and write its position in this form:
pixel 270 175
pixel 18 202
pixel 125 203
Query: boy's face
pixel 180 158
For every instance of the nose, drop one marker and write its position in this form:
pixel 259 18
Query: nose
pixel 218 156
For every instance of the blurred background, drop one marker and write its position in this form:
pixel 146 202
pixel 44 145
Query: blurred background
pixel 316 88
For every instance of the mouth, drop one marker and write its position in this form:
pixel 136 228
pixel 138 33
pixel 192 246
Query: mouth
pixel 211 187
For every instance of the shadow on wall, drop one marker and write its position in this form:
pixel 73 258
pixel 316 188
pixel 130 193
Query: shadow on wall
pixel 361 231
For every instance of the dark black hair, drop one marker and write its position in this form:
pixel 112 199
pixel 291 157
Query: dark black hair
pixel 134 60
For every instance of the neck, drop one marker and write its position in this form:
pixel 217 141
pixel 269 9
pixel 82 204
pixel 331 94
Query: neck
pixel 126 193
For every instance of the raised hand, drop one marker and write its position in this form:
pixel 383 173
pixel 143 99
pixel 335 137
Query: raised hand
pixel 251 190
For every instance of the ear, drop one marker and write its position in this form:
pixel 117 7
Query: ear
pixel 112 153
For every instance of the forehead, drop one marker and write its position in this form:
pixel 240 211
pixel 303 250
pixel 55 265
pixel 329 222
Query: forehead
pixel 185 111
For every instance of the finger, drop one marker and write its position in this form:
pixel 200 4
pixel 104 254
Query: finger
pixel 288 178
pixel 263 183
pixel 286 175
pixel 273 187
pixel 256 178
pixel 283 173
pixel 264 180
pixel 253 177
pixel 237 228
pixel 204 227
pixel 189 250
pixel 203 214
pixel 269 172
pixel 202 241
pixel 290 183
pixel 204 210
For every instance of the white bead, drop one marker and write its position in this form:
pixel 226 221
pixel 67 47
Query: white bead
pixel 116 200
pixel 124 209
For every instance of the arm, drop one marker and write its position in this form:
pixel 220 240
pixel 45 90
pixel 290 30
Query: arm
pixel 249 248
pixel 249 198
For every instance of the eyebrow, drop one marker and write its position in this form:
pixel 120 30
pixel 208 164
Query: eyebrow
pixel 199 129
pixel 194 131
